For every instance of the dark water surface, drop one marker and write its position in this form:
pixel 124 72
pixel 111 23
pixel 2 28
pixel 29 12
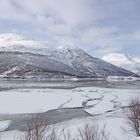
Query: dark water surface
pixel 27 84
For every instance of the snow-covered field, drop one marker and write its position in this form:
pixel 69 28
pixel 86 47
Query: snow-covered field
pixel 103 103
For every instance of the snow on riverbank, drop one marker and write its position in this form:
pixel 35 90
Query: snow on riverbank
pixel 113 128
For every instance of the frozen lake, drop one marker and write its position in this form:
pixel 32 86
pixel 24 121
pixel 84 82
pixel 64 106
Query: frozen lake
pixel 62 101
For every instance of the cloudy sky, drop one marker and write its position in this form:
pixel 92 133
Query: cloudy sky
pixel 97 26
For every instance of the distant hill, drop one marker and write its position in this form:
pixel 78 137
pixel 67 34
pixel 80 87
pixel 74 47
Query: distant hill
pixel 131 63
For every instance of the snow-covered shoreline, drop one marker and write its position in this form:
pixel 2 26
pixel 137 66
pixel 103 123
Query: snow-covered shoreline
pixel 70 78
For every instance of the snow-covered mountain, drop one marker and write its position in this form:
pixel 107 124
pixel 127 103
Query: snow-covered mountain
pixel 14 42
pixel 21 57
pixel 131 63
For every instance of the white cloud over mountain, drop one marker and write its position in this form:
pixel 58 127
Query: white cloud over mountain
pixel 98 26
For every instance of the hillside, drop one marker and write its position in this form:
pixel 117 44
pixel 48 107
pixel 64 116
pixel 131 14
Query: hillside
pixel 22 57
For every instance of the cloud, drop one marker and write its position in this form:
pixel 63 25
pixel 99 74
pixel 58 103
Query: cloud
pixel 98 26
pixel 9 12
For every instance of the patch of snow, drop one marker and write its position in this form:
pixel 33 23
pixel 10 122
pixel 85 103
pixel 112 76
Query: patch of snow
pixel 137 138
pixel 30 101
pixel 4 125
pixel 103 106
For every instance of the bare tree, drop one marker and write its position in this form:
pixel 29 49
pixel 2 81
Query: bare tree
pixel 92 131
pixel 36 127
pixel 59 132
pixel 52 133
pixel 133 116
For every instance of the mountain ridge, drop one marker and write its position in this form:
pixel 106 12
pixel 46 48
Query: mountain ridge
pixel 31 58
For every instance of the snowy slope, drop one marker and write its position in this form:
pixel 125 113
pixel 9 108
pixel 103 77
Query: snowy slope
pixel 131 63
pixel 81 61
pixel 14 42
pixel 30 57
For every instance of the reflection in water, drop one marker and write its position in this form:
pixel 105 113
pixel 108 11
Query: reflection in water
pixel 16 84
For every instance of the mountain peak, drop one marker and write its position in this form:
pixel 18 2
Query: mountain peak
pixel 74 51
pixel 68 48
pixel 11 42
